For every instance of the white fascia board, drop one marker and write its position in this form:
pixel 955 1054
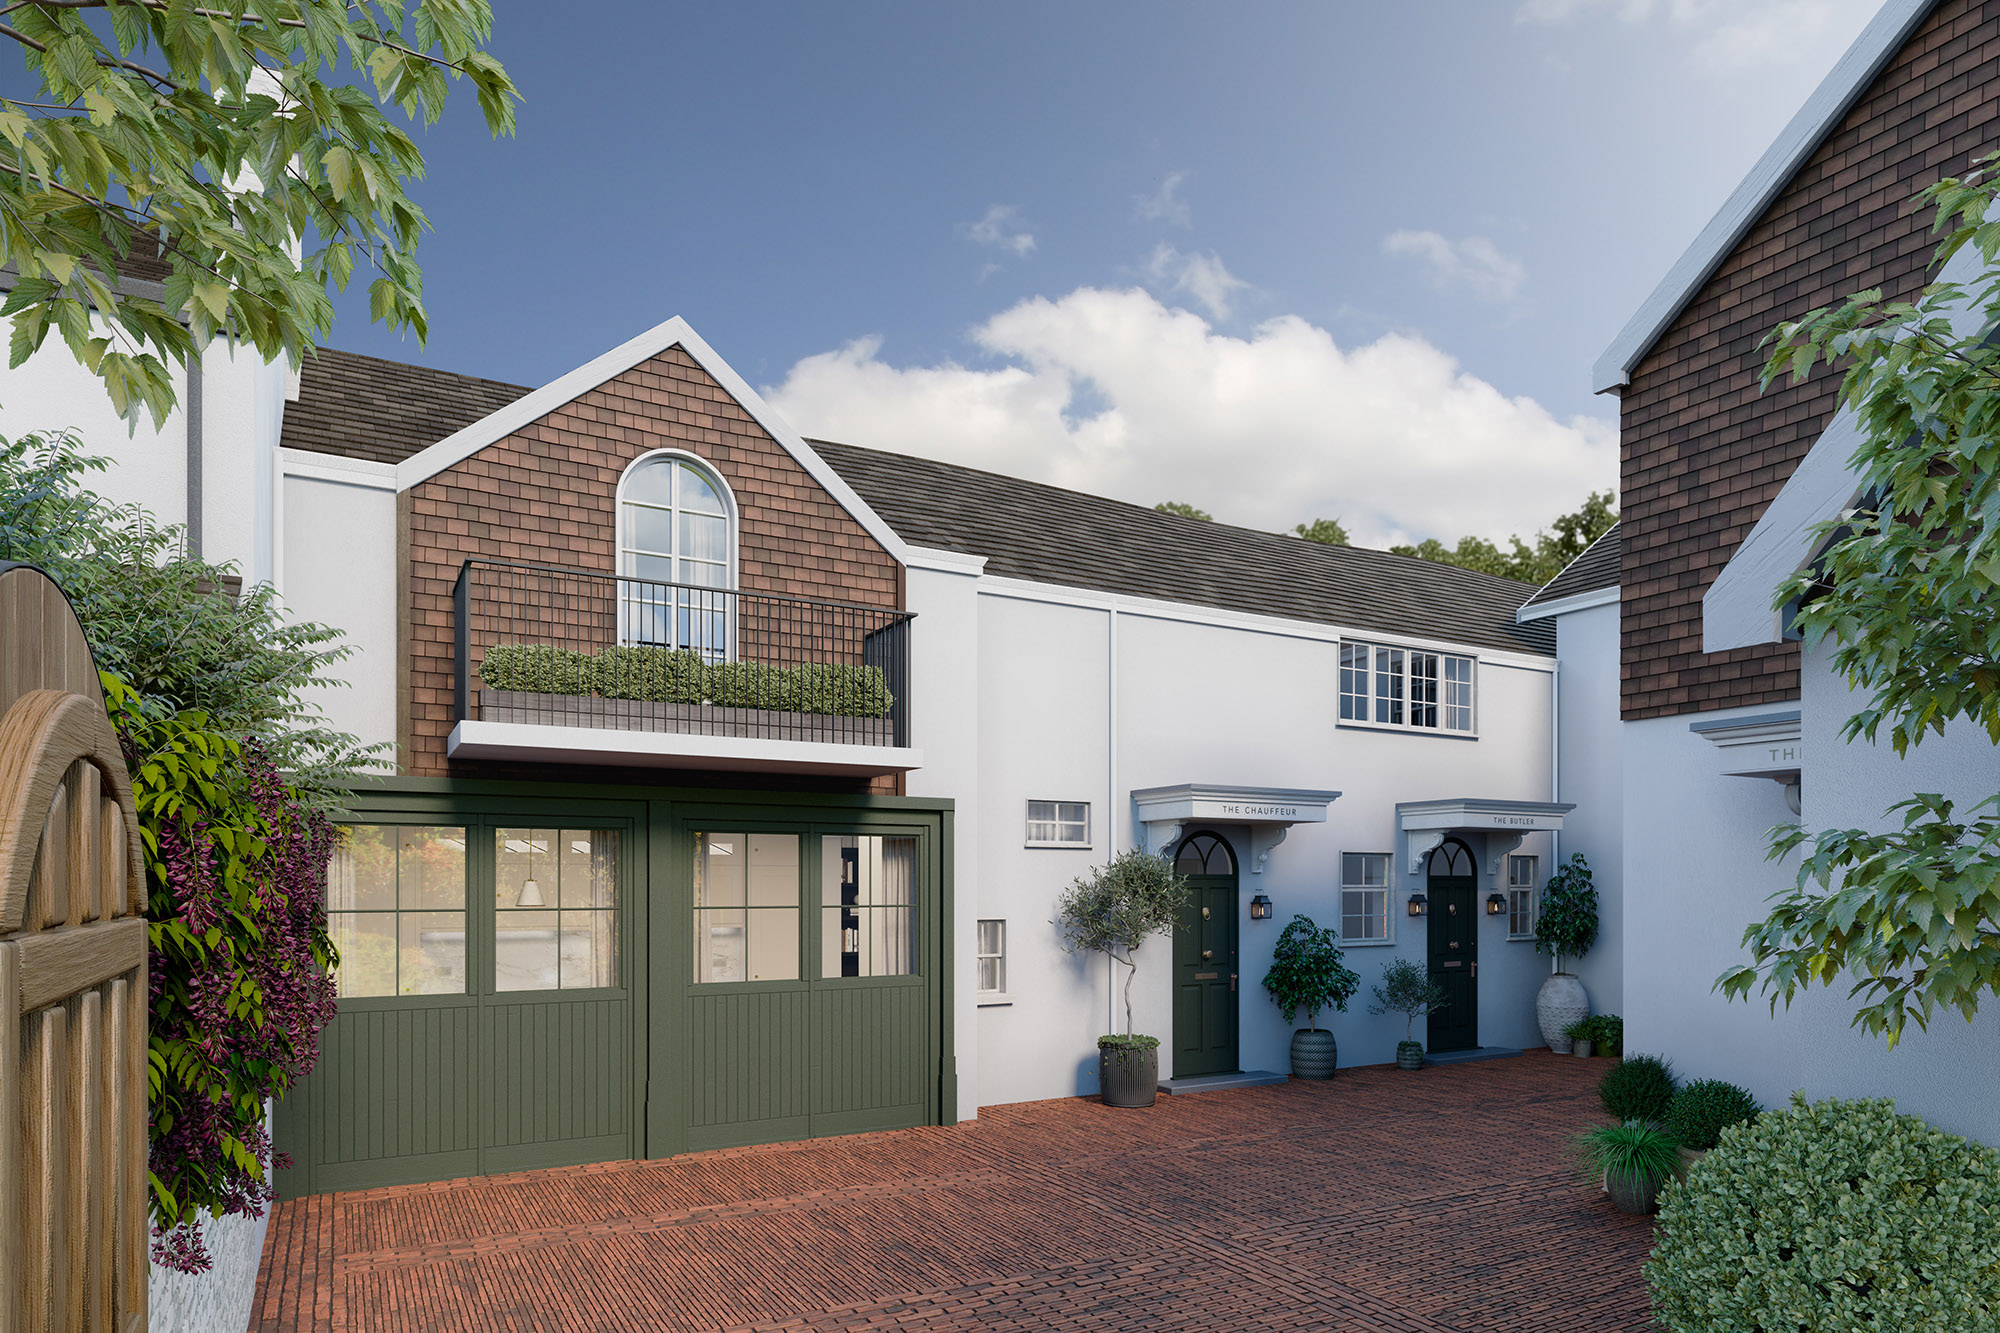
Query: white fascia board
pixel 944 562
pixel 1849 79
pixel 1562 606
pixel 1736 611
pixel 495 426
pixel 364 472
pixel 538 743
pixel 1022 590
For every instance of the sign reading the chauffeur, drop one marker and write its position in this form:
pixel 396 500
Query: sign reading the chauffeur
pixel 1252 812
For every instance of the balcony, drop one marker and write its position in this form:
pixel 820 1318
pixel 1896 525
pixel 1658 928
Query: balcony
pixel 566 666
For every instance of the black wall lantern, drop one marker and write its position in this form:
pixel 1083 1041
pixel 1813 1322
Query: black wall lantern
pixel 1418 904
pixel 1496 905
pixel 1260 908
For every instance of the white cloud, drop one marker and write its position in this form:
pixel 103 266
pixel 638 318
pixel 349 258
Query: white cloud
pixel 1728 36
pixel 1202 277
pixel 1000 227
pixel 1165 203
pixel 1114 392
pixel 1474 263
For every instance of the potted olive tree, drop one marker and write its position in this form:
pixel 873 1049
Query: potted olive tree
pixel 1566 926
pixel 1406 988
pixel 1113 910
pixel 1307 973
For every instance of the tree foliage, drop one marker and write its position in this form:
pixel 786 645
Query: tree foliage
pixel 161 621
pixel 1407 988
pixel 1566 921
pixel 1325 531
pixel 221 139
pixel 1307 971
pixel 1116 906
pixel 241 961
pixel 1904 591
pixel 1184 510
pixel 1566 539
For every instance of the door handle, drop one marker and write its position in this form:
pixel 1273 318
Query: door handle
pixel 1475 967
pixel 1207 954
pixel 1232 981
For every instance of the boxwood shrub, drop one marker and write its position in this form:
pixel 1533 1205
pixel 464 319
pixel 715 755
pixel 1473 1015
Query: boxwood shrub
pixel 660 675
pixel 1831 1216
pixel 1637 1087
pixel 1701 1110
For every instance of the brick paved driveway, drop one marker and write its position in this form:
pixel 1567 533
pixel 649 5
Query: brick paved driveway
pixel 1379 1201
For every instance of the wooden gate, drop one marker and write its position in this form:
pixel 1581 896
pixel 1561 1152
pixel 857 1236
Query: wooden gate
pixel 73 1000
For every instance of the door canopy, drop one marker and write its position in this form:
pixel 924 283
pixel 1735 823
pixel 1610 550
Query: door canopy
pixel 1425 825
pixel 1165 813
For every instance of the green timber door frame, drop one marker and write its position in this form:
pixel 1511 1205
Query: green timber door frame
pixel 806 1036
pixel 1452 944
pixel 1207 988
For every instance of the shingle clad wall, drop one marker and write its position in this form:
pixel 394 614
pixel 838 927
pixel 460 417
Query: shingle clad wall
pixel 547 493
pixel 1703 451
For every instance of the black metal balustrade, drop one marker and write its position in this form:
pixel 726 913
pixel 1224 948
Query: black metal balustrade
pixel 566 647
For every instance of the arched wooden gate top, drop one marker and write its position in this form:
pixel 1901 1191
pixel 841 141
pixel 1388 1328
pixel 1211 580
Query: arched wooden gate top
pixel 73 994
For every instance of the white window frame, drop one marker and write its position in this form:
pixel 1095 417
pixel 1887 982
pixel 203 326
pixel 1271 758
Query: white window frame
pixel 1069 844
pixel 1523 893
pixel 1386 888
pixel 624 540
pixel 987 998
pixel 1395 687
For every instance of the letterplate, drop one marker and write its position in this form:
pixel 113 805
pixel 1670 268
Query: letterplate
pixel 1206 976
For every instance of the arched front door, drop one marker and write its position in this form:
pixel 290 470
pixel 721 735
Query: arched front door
pixel 1453 890
pixel 1205 982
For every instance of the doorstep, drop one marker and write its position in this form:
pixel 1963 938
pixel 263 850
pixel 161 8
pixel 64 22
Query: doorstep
pixel 1256 1078
pixel 1476 1053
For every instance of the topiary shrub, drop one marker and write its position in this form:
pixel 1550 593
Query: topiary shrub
pixel 539 668
pixel 1638 1087
pixel 1831 1216
pixel 652 675
pixel 1701 1110
pixel 847 691
pixel 750 685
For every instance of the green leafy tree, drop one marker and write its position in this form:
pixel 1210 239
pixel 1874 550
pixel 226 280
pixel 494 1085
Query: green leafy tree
pixel 1184 510
pixel 1114 908
pixel 1904 592
pixel 1566 539
pixel 1325 531
pixel 1566 921
pixel 164 623
pixel 1307 971
pixel 219 139
pixel 1407 988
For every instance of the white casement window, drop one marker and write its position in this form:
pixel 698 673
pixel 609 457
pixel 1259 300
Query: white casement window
pixel 1521 897
pixel 992 959
pixel 677 554
pixel 1405 687
pixel 1058 823
pixel 1364 897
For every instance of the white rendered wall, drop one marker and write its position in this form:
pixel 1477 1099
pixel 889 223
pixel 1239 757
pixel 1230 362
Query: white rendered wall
pixel 1211 703
pixel 50 392
pixel 944 724
pixel 1950 1075
pixel 1695 876
pixel 339 568
pixel 1592 776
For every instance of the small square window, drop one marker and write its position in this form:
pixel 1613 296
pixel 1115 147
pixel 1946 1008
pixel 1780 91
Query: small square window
pixel 1364 897
pixel 1059 823
pixel 1521 897
pixel 992 957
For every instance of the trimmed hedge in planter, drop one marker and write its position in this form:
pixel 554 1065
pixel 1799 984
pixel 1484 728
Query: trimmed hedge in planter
pixel 660 675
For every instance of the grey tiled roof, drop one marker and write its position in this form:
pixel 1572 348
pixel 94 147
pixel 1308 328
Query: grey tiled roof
pixel 1048 535
pixel 365 407
pixel 1596 568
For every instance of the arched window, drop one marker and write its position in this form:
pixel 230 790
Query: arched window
pixel 677 553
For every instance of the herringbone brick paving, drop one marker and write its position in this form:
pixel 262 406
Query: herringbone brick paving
pixel 1378 1202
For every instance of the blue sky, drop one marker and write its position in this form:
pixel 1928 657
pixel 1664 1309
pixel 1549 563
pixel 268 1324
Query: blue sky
pixel 1280 260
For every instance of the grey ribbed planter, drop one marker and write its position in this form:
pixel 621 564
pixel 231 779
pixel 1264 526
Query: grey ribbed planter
pixel 1561 1001
pixel 1409 1055
pixel 1314 1054
pixel 1128 1077
pixel 1632 1193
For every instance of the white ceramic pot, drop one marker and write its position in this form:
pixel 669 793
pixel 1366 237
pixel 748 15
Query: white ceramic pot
pixel 1561 1001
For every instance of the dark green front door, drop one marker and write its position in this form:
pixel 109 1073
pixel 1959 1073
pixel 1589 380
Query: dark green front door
pixel 1453 890
pixel 1205 977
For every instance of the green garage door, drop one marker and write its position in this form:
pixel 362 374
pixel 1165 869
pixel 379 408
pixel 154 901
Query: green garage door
pixel 485 1016
pixel 797 980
